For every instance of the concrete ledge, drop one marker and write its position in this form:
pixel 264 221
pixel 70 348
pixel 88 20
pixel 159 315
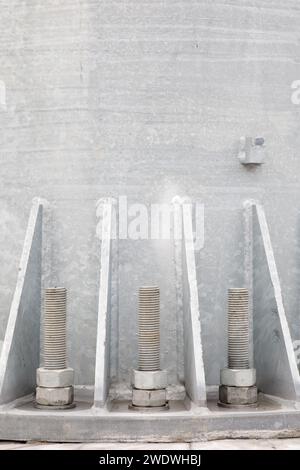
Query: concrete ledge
pixel 86 424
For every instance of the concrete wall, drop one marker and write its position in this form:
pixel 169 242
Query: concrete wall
pixel 148 99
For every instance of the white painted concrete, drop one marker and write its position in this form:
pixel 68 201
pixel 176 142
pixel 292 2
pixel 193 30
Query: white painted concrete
pixel 229 444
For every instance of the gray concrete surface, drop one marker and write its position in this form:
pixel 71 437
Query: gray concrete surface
pixel 105 100
pixel 273 418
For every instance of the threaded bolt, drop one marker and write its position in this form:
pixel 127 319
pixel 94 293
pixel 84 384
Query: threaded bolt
pixel 149 328
pixel 55 315
pixel 238 381
pixel 238 328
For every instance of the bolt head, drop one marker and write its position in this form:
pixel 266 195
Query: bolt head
pixel 149 398
pixel 54 396
pixel 54 378
pixel 149 380
pixel 238 377
pixel 237 395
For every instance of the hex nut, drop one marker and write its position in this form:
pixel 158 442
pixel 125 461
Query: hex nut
pixel 149 380
pixel 149 398
pixel 238 377
pixel 237 395
pixel 53 378
pixel 54 396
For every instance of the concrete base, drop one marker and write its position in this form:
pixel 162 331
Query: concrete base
pixel 183 422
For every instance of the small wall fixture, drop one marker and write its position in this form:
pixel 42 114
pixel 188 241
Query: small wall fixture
pixel 251 150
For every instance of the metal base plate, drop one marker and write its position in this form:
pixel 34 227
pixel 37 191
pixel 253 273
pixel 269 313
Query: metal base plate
pixel 148 408
pixel 54 407
pixel 228 405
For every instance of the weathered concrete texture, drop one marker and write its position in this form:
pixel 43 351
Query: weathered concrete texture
pixel 105 99
pixel 21 347
pixel 13 228
pixel 274 359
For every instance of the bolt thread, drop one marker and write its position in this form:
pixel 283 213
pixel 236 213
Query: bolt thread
pixel 55 316
pixel 149 328
pixel 238 328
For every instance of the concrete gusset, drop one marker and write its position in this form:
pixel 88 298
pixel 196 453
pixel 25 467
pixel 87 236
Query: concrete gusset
pixel 274 358
pixel 193 355
pixel 102 365
pixel 21 346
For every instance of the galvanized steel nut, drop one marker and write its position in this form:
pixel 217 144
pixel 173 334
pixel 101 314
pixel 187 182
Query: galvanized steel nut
pixel 54 396
pixel 54 378
pixel 149 380
pixel 238 377
pixel 149 397
pixel 237 395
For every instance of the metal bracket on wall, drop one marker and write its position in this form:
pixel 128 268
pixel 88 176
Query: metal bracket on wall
pixel 251 150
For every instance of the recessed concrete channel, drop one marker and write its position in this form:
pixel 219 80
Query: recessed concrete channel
pixel 184 421
pixel 102 409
